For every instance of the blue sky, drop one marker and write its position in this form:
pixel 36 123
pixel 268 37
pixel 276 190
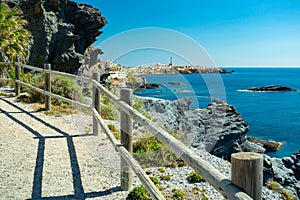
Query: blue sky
pixel 232 32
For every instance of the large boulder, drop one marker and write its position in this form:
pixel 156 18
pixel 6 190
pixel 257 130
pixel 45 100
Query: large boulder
pixel 62 30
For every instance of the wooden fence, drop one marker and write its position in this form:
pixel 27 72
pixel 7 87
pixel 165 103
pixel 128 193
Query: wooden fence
pixel 246 167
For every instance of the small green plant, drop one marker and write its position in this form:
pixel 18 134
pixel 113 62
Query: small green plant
pixel 162 170
pixel 165 177
pixel 154 179
pixel 138 193
pixel 194 177
pixel 273 185
pixel 178 194
pixel 177 163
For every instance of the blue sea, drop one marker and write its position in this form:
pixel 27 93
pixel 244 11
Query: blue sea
pixel 271 115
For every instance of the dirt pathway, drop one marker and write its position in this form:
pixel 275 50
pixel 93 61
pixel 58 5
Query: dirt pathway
pixel 47 157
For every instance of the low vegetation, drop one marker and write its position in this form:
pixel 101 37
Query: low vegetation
pixel 56 110
pixel 60 85
pixel 178 194
pixel 114 131
pixel 195 177
pixel 151 152
pixel 165 177
pixel 162 170
pixel 273 185
pixel 138 193
pixel 107 109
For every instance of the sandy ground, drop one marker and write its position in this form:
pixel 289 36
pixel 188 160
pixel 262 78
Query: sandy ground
pixel 48 157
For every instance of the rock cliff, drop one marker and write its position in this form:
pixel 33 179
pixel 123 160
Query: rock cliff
pixel 62 30
pixel 217 128
pixel 285 171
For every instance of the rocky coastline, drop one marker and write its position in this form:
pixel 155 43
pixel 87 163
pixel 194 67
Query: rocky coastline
pixel 221 130
pixel 181 69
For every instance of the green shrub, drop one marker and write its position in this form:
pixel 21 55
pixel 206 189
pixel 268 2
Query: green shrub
pixel 154 179
pixel 178 194
pixel 139 193
pixel 60 85
pixel 147 145
pixel 107 113
pixel 194 177
pixel 66 87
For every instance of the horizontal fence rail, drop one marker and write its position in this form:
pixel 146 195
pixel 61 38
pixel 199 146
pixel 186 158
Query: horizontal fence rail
pixel 6 80
pixel 6 63
pixel 75 103
pixel 80 78
pixel 209 173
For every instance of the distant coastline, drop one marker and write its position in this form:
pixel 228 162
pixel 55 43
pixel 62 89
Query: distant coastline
pixel 181 69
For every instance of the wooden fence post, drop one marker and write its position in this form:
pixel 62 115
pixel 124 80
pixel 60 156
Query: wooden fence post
pixel 47 86
pixel 17 77
pixel 96 103
pixel 126 140
pixel 247 173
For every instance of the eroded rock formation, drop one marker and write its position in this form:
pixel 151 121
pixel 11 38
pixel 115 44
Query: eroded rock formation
pixel 218 128
pixel 285 171
pixel 62 30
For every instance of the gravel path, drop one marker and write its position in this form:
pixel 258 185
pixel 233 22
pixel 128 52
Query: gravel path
pixel 45 156
pixel 52 157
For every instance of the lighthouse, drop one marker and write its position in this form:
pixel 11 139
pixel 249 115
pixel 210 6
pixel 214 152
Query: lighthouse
pixel 171 62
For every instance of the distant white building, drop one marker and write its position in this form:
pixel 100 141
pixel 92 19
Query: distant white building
pixel 117 75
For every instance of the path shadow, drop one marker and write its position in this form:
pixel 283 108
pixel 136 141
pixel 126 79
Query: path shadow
pixel 39 165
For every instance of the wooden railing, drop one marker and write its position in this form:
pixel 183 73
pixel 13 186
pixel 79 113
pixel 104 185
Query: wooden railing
pixel 246 169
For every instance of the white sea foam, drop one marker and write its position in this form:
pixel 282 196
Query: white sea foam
pixel 244 91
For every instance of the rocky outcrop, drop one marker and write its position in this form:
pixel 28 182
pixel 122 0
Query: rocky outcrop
pixel 272 88
pixel 217 128
pixel 62 30
pixel 285 171
pixel 268 145
pixel 150 86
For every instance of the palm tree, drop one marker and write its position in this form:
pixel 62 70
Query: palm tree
pixel 15 40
